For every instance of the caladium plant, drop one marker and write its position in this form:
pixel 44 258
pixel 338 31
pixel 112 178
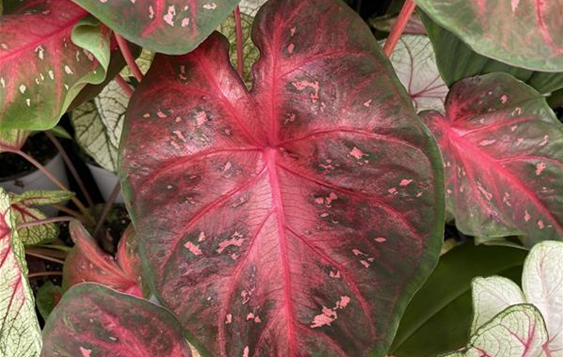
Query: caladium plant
pixel 278 221
pixel 294 206
pixel 92 320
pixel 509 321
pixel 503 155
pixel 87 262
pixel 65 53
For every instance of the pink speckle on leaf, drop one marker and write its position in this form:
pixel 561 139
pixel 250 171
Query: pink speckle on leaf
pixel 246 352
pixel 301 85
pixel 527 216
pixel 405 182
pixel 368 103
pixel 540 167
pixel 541 225
pixel 290 48
pixel 504 98
pixel 235 240
pixel 357 153
pixel 380 239
pixel 228 319
pixel 169 17
pixel 193 248
pixel 85 352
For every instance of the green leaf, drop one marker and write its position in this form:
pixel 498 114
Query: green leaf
pixel 97 125
pixel 20 335
pixel 41 69
pixel 415 64
pixel 438 318
pixel 457 61
pixel 174 27
pixel 48 297
pixel 522 33
pixel 518 331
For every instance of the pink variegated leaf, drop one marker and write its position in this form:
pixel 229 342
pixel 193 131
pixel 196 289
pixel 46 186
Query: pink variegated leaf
pixel 41 67
pixel 298 218
pixel 503 155
pixel 167 26
pixel 92 320
pixel 87 262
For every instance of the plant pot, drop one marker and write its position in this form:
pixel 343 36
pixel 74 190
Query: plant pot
pixel 106 181
pixel 36 180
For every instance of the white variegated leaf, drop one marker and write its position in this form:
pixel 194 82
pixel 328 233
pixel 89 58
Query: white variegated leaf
pixel 542 281
pixel 98 124
pixel 20 335
pixel 491 296
pixel 415 64
pixel 517 331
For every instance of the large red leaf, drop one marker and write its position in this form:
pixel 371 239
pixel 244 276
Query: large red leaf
pixel 503 154
pixel 523 33
pixel 168 26
pixel 41 69
pixel 92 320
pixel 87 262
pixel 297 219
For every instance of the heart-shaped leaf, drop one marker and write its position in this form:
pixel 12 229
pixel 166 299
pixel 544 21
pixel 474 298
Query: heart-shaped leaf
pixel 456 61
pixel 41 68
pixel 295 219
pixel 523 33
pixel 24 211
pixel 172 26
pixel 87 262
pixel 438 317
pixel 518 331
pixel 503 154
pixel 97 125
pixel 414 61
pixel 542 282
pixel 93 320
pixel 20 335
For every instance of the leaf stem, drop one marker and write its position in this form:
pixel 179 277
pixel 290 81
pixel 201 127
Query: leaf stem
pixel 45 273
pixel 240 53
pixel 107 208
pixel 44 257
pixel 129 59
pixel 44 221
pixel 124 85
pixel 71 168
pixel 398 27
pixel 71 212
pixel 51 177
pixel 50 250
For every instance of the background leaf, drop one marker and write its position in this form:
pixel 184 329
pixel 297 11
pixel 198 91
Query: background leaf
pixel 93 320
pixel 518 331
pixel 48 296
pixel 438 318
pixel 457 61
pixel 173 27
pixel 87 262
pixel 41 71
pixel 98 124
pixel 20 335
pixel 542 282
pixel 523 33
pixel 415 64
pixel 503 153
